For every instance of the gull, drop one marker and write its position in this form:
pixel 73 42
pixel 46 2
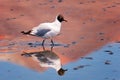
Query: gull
pixel 47 30
pixel 47 58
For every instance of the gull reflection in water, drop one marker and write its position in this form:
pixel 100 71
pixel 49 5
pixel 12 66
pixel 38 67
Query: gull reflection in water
pixel 46 58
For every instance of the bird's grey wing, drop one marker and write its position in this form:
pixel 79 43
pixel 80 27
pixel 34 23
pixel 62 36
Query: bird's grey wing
pixel 42 58
pixel 42 32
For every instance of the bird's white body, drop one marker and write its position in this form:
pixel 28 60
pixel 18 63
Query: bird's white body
pixel 47 30
pixel 54 29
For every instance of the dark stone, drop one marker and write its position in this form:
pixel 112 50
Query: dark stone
pixel 11 9
pixel 21 15
pixel 104 9
pixel 74 42
pixel 30 43
pixel 52 6
pixel 102 39
pixel 84 23
pixel 14 18
pixel 101 33
pixel 109 52
pixel 8 19
pixel 60 0
pixel 81 3
pixel 107 62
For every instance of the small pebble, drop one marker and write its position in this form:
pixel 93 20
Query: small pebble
pixel 74 42
pixel 109 52
pixel 107 62
pixel 11 9
pixel 59 0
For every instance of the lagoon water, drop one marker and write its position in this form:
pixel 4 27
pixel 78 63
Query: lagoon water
pixel 102 64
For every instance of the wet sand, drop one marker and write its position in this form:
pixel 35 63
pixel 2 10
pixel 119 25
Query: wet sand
pixel 91 25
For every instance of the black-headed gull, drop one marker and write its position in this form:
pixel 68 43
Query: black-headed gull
pixel 47 30
pixel 47 59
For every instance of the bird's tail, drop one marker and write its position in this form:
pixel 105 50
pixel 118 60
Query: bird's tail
pixel 26 33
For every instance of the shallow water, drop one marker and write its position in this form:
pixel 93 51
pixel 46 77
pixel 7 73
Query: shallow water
pixel 91 25
pixel 99 65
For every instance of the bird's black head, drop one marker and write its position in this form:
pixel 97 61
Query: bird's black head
pixel 60 18
pixel 61 72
